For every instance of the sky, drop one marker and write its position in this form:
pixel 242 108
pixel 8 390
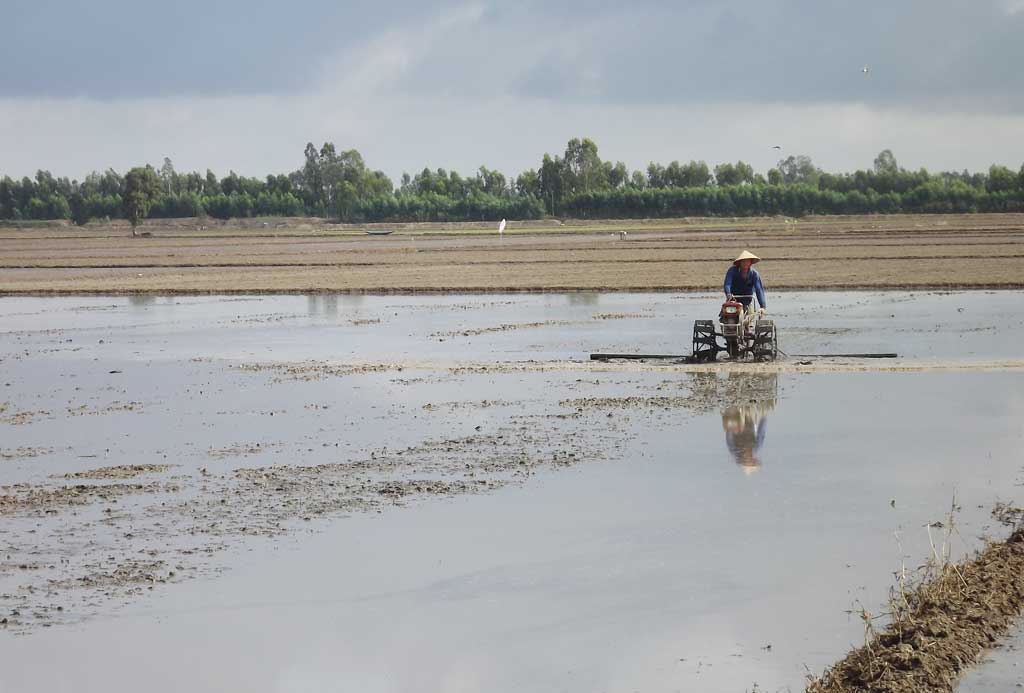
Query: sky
pixel 243 86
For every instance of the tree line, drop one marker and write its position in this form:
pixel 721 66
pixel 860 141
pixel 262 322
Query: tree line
pixel 338 185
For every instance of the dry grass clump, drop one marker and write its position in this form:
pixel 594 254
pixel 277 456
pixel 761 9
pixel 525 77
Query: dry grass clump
pixel 938 626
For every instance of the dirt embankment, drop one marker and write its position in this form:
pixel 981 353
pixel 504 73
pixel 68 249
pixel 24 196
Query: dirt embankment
pixel 940 626
pixel 295 256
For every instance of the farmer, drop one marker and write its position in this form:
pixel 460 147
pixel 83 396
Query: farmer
pixel 742 282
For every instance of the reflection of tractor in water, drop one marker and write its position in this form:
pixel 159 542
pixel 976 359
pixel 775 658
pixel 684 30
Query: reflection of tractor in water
pixel 742 333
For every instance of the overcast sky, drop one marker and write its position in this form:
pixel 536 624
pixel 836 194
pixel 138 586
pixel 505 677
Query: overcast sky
pixel 232 84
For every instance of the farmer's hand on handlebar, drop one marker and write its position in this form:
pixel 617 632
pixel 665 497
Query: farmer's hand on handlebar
pixel 731 297
pixel 761 312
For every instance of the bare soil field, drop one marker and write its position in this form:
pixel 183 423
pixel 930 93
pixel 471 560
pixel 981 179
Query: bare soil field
pixel 298 255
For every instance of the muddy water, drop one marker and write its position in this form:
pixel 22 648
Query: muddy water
pixel 708 532
pixel 1002 669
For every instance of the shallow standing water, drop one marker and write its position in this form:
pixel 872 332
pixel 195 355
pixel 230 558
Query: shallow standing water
pixel 698 545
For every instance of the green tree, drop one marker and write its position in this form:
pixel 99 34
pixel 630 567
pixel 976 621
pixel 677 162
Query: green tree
pixel 141 188
pixel 885 163
pixel 490 181
pixel 582 171
pixel 744 172
pixel 312 181
pixel 57 207
pixel 798 169
pixel 8 203
pixel 1001 179
pixel 616 175
pixel 551 182
pixel 696 174
pixel 211 186
pixel 675 176
pixel 110 183
pixel 727 174
pixel 528 183
pixel 168 177
pixel 657 175
pixel 79 208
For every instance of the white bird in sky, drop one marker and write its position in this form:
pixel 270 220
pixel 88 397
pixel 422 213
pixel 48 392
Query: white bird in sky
pixel 866 69
pixel 501 227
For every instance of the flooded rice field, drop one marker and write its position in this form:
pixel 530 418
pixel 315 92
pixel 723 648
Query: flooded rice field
pixel 333 492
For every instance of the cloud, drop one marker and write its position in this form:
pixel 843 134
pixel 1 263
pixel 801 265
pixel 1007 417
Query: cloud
pixel 470 83
pixel 932 53
pixel 261 134
pixel 388 62
pixel 122 49
pixel 949 55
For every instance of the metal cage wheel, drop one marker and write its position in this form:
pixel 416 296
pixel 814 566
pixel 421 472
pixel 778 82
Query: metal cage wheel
pixel 705 346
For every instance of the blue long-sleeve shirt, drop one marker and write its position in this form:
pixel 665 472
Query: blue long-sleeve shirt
pixel 738 285
pixel 751 438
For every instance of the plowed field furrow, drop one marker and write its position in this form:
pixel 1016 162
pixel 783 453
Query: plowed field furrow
pixel 826 252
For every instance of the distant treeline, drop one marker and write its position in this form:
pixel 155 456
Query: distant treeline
pixel 338 185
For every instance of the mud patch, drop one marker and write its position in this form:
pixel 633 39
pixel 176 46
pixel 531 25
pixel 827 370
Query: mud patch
pixel 40 500
pixel 113 407
pixel 309 371
pixel 476 404
pixel 621 316
pixel 23 417
pixel 265 500
pixel 241 450
pixel 939 627
pixel 24 453
pixel 125 574
pixel 698 393
pixel 476 332
pixel 125 471
pixel 1009 515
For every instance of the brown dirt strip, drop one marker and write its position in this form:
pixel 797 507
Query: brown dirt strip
pixel 521 243
pixel 890 252
pixel 370 263
pixel 938 629
pixel 949 274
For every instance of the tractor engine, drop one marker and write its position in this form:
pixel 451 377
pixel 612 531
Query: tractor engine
pixel 729 317
pixel 743 334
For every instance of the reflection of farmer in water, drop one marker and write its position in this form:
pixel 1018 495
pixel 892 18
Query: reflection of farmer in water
pixel 745 424
pixel 744 435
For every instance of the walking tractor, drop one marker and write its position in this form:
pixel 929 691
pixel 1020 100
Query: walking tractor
pixel 739 332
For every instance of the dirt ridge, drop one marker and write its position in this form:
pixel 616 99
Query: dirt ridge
pixel 938 629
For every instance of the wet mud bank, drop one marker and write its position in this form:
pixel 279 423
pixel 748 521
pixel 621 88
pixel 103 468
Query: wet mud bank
pixel 939 627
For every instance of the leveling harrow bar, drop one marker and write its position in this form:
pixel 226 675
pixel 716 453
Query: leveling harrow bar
pixel 740 333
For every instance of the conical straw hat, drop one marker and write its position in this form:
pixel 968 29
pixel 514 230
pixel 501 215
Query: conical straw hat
pixel 747 255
